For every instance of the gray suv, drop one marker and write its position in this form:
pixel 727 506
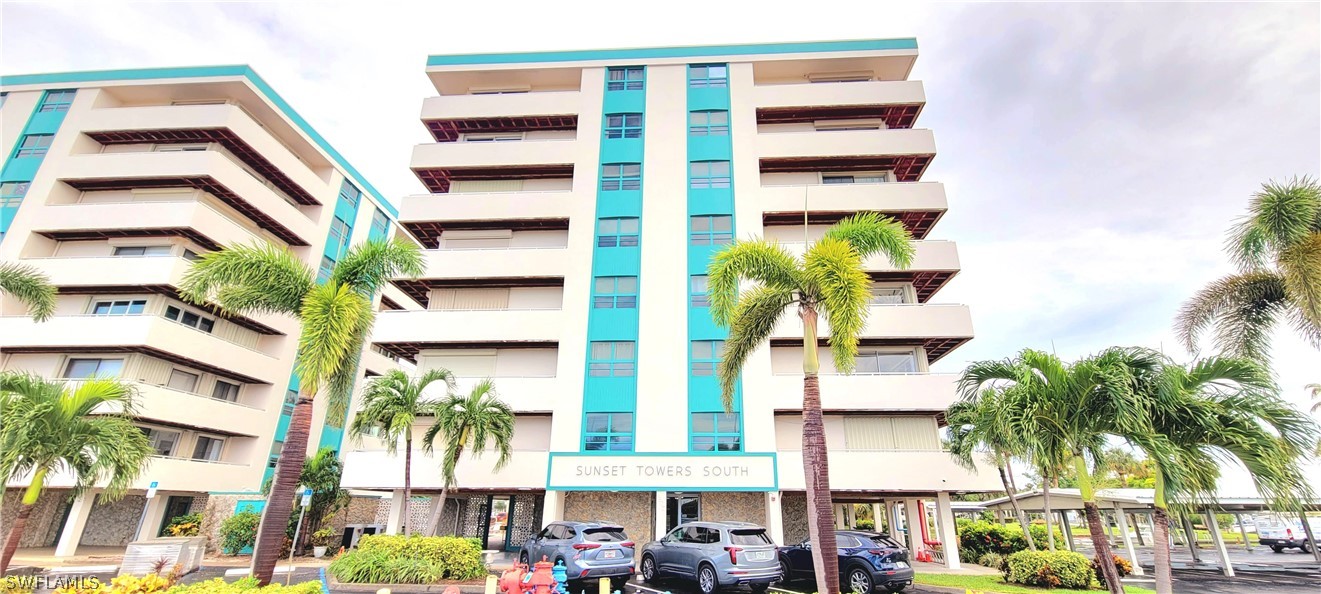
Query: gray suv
pixel 714 554
pixel 590 550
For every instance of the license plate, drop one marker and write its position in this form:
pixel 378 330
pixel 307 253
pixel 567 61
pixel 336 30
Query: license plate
pixel 759 555
pixel 901 564
pixel 609 554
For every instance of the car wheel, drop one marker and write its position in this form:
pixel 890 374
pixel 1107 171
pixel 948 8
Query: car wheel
pixel 1278 549
pixel 648 568
pixel 784 572
pixel 706 579
pixel 859 581
pixel 1306 547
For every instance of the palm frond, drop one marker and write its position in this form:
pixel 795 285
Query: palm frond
pixel 872 233
pixel 1280 215
pixel 340 384
pixel 754 260
pixel 332 328
pixel 843 289
pixel 754 318
pixel 255 278
pixel 1241 309
pixel 29 285
pixel 1300 265
pixel 369 265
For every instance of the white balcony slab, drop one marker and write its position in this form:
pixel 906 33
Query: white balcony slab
pixel 929 255
pixel 881 392
pixel 777 145
pixel 525 325
pixel 896 322
pixel 377 469
pixel 443 155
pixel 890 470
pixel 454 107
pixel 485 206
pixel 889 197
pixel 550 262
pixel 872 92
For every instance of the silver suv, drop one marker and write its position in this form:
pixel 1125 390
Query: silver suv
pixel 714 554
pixel 590 550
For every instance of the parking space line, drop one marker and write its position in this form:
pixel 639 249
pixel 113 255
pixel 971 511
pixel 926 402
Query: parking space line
pixel 646 588
pixel 785 591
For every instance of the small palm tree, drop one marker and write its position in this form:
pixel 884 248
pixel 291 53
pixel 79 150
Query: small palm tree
pixel 467 423
pixel 30 286
pixel 390 405
pixel 1277 247
pixel 979 422
pixel 1215 409
pixel 336 318
pixel 828 281
pixel 84 430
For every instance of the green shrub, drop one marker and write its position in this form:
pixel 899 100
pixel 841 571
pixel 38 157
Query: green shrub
pixel 1121 565
pixel 865 524
pixel 384 559
pixel 185 525
pixel 1045 569
pixel 992 560
pixel 239 531
pixel 247 584
pixel 976 538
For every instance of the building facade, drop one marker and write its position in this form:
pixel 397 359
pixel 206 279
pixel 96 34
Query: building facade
pixel 113 181
pixel 573 201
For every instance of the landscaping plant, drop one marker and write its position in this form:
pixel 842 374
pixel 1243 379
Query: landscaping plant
pixel 1049 569
pixel 397 559
pixel 244 586
pixel 1121 565
pixel 467 423
pixel 239 532
pixel 185 525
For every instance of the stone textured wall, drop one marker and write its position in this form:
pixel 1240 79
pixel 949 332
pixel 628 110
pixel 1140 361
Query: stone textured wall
pixel 218 508
pixel 793 509
pixel 735 506
pixel 634 510
pixel 43 527
pixel 112 524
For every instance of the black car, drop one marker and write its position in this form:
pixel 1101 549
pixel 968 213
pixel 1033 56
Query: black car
pixel 868 562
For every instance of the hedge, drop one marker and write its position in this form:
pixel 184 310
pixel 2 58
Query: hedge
pixel 1046 569
pixel 977 538
pixel 386 559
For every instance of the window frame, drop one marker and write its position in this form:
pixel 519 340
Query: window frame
pixel 623 130
pixel 704 366
pixel 68 367
pixel 618 237
pixel 180 316
pixel 696 297
pixel 616 297
pixel 128 307
pixel 145 251
pixel 699 76
pixel 211 440
pixel 174 444
pixel 710 179
pixel 881 177
pixel 614 365
pixel 615 177
pixel 197 379
pixel 610 437
pixel 235 392
pixel 710 236
pixel 37 149
pixel 877 354
pixel 324 271
pixel 628 81
pixel 718 437
pixel 706 128
pixel 59 103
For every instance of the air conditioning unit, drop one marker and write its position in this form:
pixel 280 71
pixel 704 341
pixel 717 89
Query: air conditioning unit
pixel 354 532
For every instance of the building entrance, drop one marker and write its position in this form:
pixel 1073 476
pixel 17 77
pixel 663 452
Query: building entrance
pixel 680 508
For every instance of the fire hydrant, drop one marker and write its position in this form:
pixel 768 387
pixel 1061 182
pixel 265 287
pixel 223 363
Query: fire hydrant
pixel 543 581
pixel 511 581
pixel 561 574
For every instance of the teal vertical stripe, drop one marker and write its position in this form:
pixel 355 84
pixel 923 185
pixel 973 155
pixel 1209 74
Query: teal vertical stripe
pixel 23 169
pixel 704 390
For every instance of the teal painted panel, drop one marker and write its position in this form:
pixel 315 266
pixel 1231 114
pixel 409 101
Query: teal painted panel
pixel 613 324
pixel 704 395
pixel 621 150
pixel 619 203
pixel 699 257
pixel 45 122
pixel 610 394
pixel 697 51
pixel 331 437
pixel 625 102
pixel 709 148
pixel 347 211
pixel 710 201
pixel 702 327
pixel 252 505
pixel 282 427
pixel 616 261
pixel 703 98
pixel 21 169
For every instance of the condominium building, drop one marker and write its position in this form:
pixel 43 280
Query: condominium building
pixel 572 203
pixel 113 181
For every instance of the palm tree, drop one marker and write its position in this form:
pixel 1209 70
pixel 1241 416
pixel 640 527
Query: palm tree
pixel 82 430
pixel 30 286
pixel 336 318
pixel 829 280
pixel 390 405
pixel 1316 395
pixel 467 423
pixel 1277 248
pixel 1213 410
pixel 979 422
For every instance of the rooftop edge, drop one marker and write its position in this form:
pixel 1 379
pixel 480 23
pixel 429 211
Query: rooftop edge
pixel 696 51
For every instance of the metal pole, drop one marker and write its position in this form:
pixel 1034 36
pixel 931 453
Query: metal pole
pixel 297 528
pixel 1191 535
pixel 1311 538
pixel 1218 541
pixel 141 519
pixel 1137 528
pixel 1068 530
pixel 1238 517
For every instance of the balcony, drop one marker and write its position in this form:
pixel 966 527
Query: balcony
pixel 194 219
pixel 106 271
pixel 485 206
pixel 377 469
pixel 469 326
pixel 938 328
pixel 228 124
pixel 207 170
pixel 547 262
pixel 149 334
pixel 454 107
pixel 843 143
pixel 872 92
pixel 165 404
pixel 921 471
pixel 178 474
pixel 930 255
pixel 884 391
pixel 523 393
pixel 850 198
pixel 445 155
pixel 378 361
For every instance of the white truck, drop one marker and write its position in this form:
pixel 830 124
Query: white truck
pixel 1286 533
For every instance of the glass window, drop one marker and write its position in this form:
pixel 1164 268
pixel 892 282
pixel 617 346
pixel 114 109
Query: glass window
pixel 711 229
pixel 119 308
pixel 608 432
pixel 34 145
pixel 89 368
pixel 139 250
pixel 612 359
pixel 190 255
pixel 858 178
pixel 887 295
pixel 705 355
pixel 624 78
pixel 290 399
pixel 208 448
pixel 189 318
pixel 225 391
pixel 715 432
pixel 885 362
pixel 338 240
pixel 14 189
pixel 621 176
pixel 708 123
pixel 326 269
pixel 615 292
pixel 698 295
pixel 182 380
pixel 162 440
pixel 708 174
pixel 750 536
pixel 617 232
pixel 380 225
pixel 57 100
pixel 623 125
pixel 708 75
pixel 349 193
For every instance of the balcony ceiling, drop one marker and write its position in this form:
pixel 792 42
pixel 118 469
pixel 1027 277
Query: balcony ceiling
pixel 409 350
pixel 449 130
pixel 420 289
pixel 95 234
pixel 437 179
pixel 936 347
pixel 925 282
pixel 429 232
pixel 906 168
pixel 895 116
pixel 918 222
pixel 224 372
pixel 205 183
pixel 225 138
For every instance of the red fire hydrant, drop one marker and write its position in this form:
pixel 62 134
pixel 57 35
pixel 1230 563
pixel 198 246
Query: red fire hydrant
pixel 542 581
pixel 511 581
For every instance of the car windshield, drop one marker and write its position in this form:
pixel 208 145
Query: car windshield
pixel 607 534
pixel 749 537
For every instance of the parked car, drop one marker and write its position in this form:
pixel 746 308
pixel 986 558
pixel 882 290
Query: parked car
pixel 590 550
pixel 1286 533
pixel 868 562
pixel 715 555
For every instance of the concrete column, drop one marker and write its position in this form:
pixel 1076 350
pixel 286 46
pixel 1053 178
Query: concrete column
pixel 1219 541
pixel 660 515
pixel 1238 519
pixel 774 517
pixel 396 512
pixel 1137 528
pixel 949 536
pixel 850 516
pixel 877 517
pixel 914 518
pixel 1128 540
pixel 552 507
pixel 1066 529
pixel 79 511
pixel 1110 529
pixel 892 520
pixel 1191 536
pixel 155 514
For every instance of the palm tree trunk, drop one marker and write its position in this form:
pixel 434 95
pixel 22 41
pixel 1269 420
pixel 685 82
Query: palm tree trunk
pixel 408 475
pixel 1100 542
pixel 280 503
pixel 1045 508
pixel 1160 538
pixel 1013 502
pixel 20 523
pixel 433 525
pixel 816 468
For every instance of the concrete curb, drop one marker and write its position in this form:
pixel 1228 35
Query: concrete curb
pixel 916 587
pixel 464 587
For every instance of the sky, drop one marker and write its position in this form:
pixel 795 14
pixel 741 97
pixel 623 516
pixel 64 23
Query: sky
pixel 1094 154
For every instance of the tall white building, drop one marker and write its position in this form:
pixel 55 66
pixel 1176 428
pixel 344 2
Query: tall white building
pixel 112 181
pixel 573 201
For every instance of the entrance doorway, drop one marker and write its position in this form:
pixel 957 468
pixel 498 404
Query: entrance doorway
pixel 176 506
pixel 497 531
pixel 680 508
